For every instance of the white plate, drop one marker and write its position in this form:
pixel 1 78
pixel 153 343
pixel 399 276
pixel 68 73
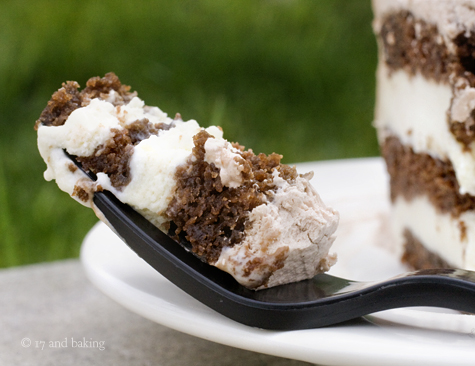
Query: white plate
pixel 358 189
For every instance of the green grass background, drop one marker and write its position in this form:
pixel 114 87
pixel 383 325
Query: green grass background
pixel 290 76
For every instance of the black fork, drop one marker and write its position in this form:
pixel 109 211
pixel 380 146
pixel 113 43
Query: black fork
pixel 321 301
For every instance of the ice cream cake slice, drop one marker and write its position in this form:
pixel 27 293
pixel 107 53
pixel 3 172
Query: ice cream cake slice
pixel 246 214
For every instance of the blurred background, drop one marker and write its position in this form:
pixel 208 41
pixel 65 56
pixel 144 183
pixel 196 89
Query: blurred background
pixel 289 76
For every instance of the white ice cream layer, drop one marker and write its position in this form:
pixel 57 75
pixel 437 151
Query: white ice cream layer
pixel 416 110
pixel 153 166
pixel 294 227
pixel 453 239
pixel 86 129
pixel 221 153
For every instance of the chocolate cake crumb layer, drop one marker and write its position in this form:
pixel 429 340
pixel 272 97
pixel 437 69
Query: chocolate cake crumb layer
pixel 414 174
pixel 112 159
pixel 466 54
pixel 418 257
pixel 415 46
pixel 81 194
pixel 68 98
pixel 143 129
pixel 211 215
pixel 464 132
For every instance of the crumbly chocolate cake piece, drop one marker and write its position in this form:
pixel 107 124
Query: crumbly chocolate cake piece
pixel 214 216
pixel 69 98
pixel 413 174
pixel 417 256
pixel 417 46
pixel 464 132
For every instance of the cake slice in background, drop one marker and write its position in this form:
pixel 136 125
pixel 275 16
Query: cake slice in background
pixel 425 119
pixel 246 214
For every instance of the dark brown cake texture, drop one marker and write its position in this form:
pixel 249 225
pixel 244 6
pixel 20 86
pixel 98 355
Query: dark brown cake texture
pixel 414 174
pixel 212 215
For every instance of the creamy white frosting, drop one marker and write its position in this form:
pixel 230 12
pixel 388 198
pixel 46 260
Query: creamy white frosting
pixel 416 109
pixel 221 153
pixel 453 239
pixel 86 129
pixel 294 227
